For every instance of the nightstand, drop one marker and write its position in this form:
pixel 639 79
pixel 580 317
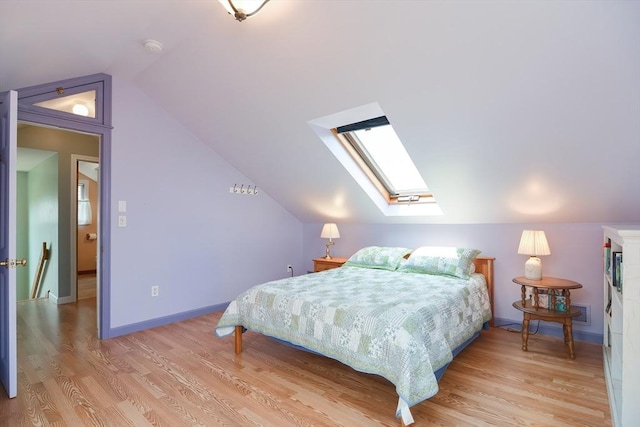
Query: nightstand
pixel 557 308
pixel 321 264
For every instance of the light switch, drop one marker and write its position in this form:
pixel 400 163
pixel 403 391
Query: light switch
pixel 122 206
pixel 122 221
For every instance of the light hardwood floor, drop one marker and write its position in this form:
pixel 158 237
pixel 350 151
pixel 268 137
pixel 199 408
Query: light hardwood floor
pixel 86 286
pixel 182 375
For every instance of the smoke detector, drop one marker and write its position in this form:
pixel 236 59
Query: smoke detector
pixel 153 46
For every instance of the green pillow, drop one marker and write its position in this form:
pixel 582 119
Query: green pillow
pixel 386 258
pixel 450 261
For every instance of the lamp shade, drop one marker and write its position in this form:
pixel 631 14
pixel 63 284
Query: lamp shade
pixel 534 243
pixel 330 231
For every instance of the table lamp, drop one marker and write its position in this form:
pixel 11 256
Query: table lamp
pixel 329 231
pixel 533 243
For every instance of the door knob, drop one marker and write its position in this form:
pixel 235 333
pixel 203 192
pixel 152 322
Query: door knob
pixel 13 263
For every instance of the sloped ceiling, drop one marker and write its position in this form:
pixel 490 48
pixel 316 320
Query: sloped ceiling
pixel 523 111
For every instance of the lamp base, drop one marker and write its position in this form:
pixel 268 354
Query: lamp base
pixel 533 268
pixel 327 254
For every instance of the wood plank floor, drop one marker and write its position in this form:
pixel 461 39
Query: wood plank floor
pixel 86 286
pixel 182 375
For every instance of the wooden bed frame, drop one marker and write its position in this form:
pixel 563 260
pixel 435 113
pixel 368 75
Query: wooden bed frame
pixel 484 266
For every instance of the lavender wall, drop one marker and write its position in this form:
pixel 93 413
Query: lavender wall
pixel 185 233
pixel 576 254
pixel 202 245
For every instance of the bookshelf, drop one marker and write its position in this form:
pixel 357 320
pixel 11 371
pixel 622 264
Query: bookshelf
pixel 622 322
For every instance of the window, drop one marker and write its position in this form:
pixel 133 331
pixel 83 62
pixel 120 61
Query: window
pixel 81 104
pixel 392 198
pixel 375 146
pixel 84 205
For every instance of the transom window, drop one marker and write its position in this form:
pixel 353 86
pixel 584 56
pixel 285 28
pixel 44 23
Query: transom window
pixel 375 146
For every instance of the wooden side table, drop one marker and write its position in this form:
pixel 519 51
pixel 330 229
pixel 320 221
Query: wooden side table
pixel 321 264
pixel 532 310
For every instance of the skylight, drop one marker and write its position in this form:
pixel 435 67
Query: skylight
pixel 379 147
pixel 364 141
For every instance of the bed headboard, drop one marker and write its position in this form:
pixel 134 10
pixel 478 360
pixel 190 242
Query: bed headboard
pixel 484 266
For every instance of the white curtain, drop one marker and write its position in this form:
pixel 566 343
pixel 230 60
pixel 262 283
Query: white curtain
pixel 84 212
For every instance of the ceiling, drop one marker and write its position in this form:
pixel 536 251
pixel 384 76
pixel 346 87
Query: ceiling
pixel 29 158
pixel 512 111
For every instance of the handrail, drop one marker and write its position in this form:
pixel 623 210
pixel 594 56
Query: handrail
pixel 38 278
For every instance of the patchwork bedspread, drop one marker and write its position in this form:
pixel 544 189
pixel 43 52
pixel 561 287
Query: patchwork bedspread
pixel 402 326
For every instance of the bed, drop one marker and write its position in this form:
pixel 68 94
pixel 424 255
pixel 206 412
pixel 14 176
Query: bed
pixel 399 313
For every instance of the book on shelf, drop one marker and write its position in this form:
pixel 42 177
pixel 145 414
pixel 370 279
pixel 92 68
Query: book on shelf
pixel 607 258
pixel 543 300
pixel 546 300
pixel 616 270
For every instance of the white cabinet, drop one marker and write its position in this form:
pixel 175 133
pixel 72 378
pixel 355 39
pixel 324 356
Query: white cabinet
pixel 622 324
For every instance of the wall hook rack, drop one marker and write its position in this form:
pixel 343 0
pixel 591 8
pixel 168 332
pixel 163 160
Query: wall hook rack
pixel 244 190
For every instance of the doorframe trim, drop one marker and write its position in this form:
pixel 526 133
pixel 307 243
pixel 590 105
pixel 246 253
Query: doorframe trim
pixel 73 208
pixel 103 130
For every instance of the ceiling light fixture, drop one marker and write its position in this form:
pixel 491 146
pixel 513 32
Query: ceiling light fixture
pixel 80 109
pixel 243 9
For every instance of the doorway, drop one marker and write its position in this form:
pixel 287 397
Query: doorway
pixel 50 106
pixel 48 201
pixel 86 236
pixel 30 106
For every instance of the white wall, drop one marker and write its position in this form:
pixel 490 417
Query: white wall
pixel 185 233
pixel 576 254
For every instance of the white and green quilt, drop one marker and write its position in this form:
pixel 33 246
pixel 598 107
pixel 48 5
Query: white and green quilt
pixel 400 325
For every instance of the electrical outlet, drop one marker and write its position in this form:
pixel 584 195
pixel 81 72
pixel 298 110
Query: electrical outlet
pixel 289 268
pixel 122 221
pixel 154 291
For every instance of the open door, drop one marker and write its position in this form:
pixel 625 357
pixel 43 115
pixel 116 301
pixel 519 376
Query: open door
pixel 8 263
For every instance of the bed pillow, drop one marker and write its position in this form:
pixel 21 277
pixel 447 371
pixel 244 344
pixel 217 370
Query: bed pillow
pixel 382 257
pixel 441 260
